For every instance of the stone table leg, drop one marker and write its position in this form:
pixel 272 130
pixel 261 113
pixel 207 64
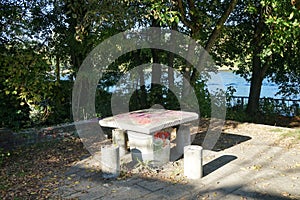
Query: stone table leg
pixel 119 137
pixel 141 144
pixel 183 138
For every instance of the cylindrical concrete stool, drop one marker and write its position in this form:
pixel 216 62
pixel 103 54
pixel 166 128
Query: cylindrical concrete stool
pixel 110 161
pixel 193 162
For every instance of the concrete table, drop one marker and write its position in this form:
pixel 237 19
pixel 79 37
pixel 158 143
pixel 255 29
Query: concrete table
pixel 141 125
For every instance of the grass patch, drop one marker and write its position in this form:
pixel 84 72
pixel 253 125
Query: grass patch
pixel 294 133
pixel 277 130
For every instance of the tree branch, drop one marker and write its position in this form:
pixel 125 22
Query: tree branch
pixel 183 18
pixel 216 32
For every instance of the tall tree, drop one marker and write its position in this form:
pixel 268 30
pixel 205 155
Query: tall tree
pixel 25 72
pixel 266 32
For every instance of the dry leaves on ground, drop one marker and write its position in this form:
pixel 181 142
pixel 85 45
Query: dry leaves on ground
pixel 36 171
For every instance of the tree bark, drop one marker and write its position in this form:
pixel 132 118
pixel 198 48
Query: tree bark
pixel 258 69
pixel 218 28
pixel 255 87
pixel 170 70
pixel 186 86
pixel 156 70
pixel 156 91
pixel 57 69
pixel 143 92
pixel 171 58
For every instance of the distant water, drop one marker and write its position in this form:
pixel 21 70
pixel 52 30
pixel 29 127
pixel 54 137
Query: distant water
pixel 269 89
pixel 242 87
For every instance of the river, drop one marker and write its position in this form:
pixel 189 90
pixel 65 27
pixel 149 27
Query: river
pixel 269 89
pixel 228 78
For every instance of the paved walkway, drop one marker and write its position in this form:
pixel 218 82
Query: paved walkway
pixel 259 167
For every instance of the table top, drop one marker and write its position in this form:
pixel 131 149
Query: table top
pixel 149 120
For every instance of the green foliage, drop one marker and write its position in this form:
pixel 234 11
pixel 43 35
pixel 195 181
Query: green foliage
pixel 237 115
pixel 27 87
pixel 203 97
pixel 13 113
pixel 103 103
pixel 147 97
pixel 3 155
pixel 265 44
pixel 163 12
pixel 59 105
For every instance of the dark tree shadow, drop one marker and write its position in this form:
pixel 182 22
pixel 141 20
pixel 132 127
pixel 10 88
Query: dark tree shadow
pixel 225 141
pixel 153 188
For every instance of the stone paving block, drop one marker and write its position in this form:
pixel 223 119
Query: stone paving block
pixel 128 182
pixel 80 173
pixel 87 193
pixel 65 191
pixel 278 185
pixel 76 195
pixel 85 184
pixel 215 193
pixel 95 193
pixel 72 170
pixel 176 191
pixel 153 185
pixel 244 193
pixel 124 193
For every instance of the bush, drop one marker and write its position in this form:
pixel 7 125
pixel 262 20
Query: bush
pixel 53 109
pixel 13 113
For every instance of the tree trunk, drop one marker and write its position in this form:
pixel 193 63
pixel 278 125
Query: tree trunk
pixel 156 69
pixel 156 89
pixel 255 88
pixel 171 70
pixel 171 58
pixel 258 69
pixel 143 92
pixel 186 86
pixel 57 69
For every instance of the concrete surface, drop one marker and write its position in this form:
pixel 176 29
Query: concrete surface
pixel 257 168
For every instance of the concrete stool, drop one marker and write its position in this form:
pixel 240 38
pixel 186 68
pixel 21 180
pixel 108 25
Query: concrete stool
pixel 110 161
pixel 193 162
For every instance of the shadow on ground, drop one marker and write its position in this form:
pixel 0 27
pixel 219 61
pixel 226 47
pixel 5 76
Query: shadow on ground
pixel 226 140
pixel 237 192
pixel 91 185
pixel 217 163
